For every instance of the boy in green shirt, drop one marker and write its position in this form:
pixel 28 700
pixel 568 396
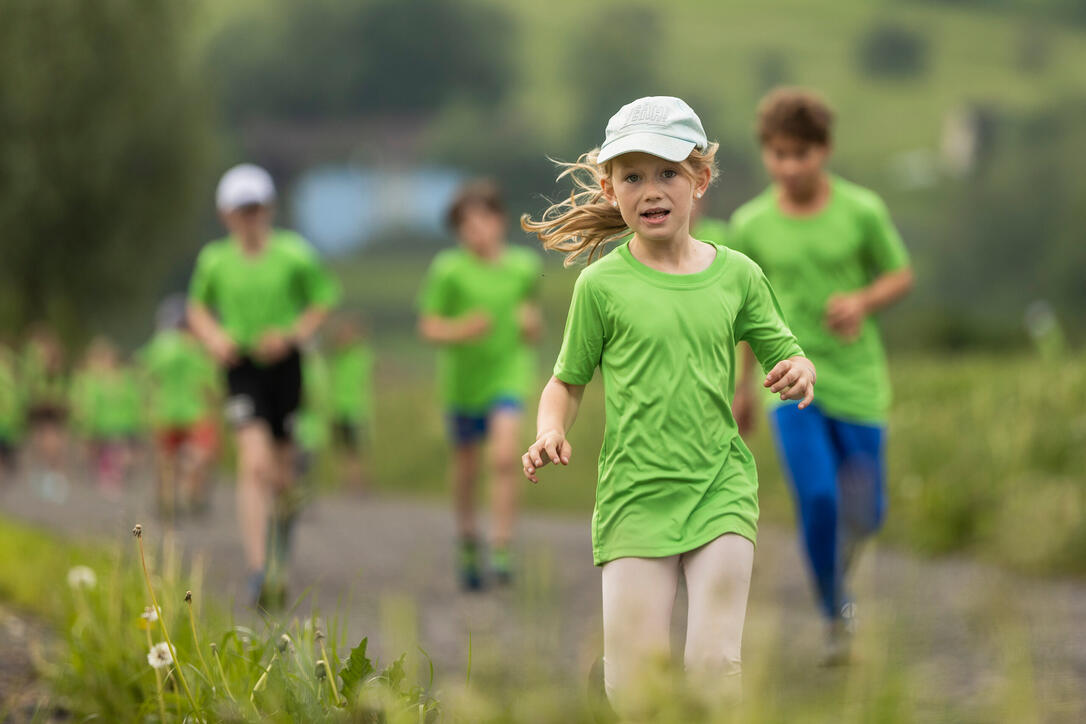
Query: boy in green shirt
pixel 183 387
pixel 256 297
pixel 834 258
pixel 479 303
pixel 352 399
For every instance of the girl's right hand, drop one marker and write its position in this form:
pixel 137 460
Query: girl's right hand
pixel 550 447
pixel 224 349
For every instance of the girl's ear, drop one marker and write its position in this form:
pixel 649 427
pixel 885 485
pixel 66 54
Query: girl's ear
pixel 608 189
pixel 704 178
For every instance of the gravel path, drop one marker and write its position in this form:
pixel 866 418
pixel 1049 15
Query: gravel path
pixel 386 567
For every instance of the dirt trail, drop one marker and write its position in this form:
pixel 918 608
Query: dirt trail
pixel 386 565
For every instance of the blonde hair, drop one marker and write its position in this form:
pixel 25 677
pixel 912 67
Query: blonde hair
pixel 586 222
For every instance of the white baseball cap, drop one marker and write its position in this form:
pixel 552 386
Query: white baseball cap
pixel 243 185
pixel 663 126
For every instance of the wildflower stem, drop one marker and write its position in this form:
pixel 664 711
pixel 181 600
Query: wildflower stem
pixel 196 639
pixel 328 669
pixel 138 532
pixel 158 681
pixel 222 673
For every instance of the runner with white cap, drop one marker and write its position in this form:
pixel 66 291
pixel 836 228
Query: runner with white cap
pixel 255 298
pixel 660 316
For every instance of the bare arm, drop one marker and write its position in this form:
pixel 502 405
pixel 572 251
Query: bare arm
pixel 558 408
pixel 744 405
pixel 453 330
pixel 211 334
pixel 845 313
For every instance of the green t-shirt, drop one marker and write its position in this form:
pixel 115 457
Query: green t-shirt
pixel 11 407
pixel 472 375
pixel 673 472
pixel 311 426
pixel 352 383
pixel 42 386
pixel 842 248
pixel 255 294
pixel 182 378
pixel 107 404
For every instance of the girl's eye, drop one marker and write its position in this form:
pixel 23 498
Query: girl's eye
pixel 632 178
pixel 669 173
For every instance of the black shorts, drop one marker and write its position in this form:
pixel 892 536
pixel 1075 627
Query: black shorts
pixel 272 393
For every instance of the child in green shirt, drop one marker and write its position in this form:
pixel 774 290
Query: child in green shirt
pixel 256 297
pixel 352 400
pixel 834 257
pixel 479 304
pixel 660 316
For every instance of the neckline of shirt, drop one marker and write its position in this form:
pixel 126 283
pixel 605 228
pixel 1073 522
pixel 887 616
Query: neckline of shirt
pixel 676 281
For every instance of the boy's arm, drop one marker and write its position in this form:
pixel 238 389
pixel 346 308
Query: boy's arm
pixel 845 313
pixel 531 322
pixel 558 408
pixel 211 333
pixel 453 330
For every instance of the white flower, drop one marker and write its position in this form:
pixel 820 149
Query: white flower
pixel 149 614
pixel 82 577
pixel 159 656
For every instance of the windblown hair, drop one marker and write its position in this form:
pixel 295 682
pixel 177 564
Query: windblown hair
pixel 586 222
pixel 797 113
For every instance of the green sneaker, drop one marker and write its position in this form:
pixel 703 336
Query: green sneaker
pixel 471 578
pixel 501 564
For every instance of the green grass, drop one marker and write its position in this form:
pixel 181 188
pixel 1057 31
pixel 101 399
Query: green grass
pixel 98 668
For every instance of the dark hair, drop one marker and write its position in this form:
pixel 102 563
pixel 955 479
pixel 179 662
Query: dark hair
pixel 797 113
pixel 479 192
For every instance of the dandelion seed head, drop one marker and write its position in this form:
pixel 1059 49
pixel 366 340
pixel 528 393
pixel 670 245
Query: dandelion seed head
pixel 150 615
pixel 138 531
pixel 82 577
pixel 321 670
pixel 159 656
pixel 284 643
pixel 188 596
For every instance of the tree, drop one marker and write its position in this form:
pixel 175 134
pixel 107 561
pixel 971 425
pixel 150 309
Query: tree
pixel 103 133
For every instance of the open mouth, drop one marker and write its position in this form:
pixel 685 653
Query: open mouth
pixel 655 215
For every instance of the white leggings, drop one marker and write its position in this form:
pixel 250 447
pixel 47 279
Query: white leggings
pixel 638 597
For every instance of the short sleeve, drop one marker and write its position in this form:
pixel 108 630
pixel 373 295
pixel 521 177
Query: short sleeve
pixel 882 242
pixel 436 294
pixel 582 341
pixel 201 286
pixel 320 288
pixel 760 323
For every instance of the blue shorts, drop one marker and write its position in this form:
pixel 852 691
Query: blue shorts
pixel 467 428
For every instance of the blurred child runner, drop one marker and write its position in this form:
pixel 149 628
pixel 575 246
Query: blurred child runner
pixel 352 399
pixel 107 407
pixel 479 303
pixel 255 298
pixel 677 492
pixel 11 414
pixel 184 390
pixel 834 257
pixel 45 383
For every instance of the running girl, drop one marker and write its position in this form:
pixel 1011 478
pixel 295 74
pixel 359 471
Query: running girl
pixel 677 492
pixel 479 303
pixel 45 382
pixel 832 253
pixel 270 294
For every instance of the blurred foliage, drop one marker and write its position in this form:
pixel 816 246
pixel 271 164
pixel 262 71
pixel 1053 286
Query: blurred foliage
pixel 891 50
pixel 104 133
pixel 291 59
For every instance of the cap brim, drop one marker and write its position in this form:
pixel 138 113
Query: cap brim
pixel 656 144
pixel 253 199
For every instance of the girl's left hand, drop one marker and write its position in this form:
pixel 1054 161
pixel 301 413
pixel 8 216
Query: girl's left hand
pixel 794 379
